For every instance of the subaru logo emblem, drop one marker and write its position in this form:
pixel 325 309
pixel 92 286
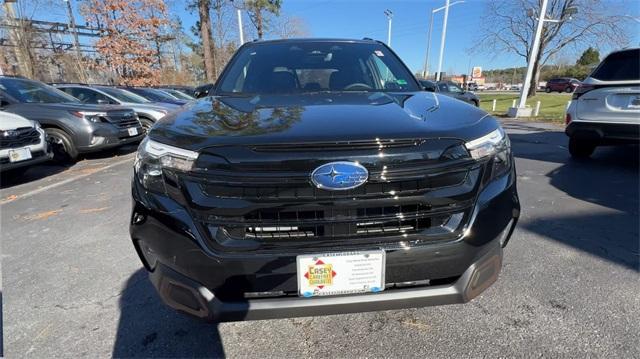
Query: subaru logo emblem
pixel 339 176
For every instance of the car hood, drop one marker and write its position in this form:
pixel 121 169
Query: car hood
pixel 72 106
pixel 150 107
pixel 320 117
pixel 10 121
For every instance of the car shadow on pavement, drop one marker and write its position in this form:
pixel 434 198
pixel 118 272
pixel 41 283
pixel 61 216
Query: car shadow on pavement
pixel 149 329
pixel 47 169
pixel 609 179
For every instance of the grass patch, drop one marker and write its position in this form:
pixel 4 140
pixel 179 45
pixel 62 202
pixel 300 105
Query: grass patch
pixel 552 105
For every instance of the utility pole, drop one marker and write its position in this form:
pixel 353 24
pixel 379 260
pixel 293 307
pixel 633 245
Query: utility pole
pixel 389 14
pixel 76 40
pixel 240 31
pixel 442 38
pixel 425 72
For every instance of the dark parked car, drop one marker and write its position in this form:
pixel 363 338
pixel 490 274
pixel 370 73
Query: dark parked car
pixel 319 178
pixel 187 90
pixel 155 95
pixel 202 91
pixel 562 84
pixel 451 89
pixel 71 126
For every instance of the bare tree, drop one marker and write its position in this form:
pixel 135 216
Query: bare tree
pixel 507 28
pixel 287 27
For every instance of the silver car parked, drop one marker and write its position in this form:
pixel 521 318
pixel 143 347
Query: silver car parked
pixel 148 112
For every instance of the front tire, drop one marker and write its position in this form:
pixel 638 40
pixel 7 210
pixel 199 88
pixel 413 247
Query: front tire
pixel 547 90
pixel 568 90
pixel 579 148
pixel 61 145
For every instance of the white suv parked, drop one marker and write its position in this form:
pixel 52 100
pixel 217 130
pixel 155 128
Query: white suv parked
pixel 605 109
pixel 22 143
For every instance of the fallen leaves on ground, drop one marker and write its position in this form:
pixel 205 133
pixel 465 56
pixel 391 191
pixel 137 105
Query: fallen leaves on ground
pixel 93 210
pixel 42 215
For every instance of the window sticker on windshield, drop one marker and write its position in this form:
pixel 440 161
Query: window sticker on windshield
pixel 401 82
pixel 379 53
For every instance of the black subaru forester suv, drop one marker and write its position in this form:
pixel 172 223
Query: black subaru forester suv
pixel 317 178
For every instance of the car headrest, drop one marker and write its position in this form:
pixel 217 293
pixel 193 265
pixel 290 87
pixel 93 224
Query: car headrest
pixel 282 81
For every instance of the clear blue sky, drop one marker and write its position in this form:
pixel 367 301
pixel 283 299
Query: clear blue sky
pixel 364 18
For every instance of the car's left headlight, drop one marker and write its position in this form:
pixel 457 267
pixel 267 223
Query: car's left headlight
pixel 92 116
pixel 494 146
pixel 154 157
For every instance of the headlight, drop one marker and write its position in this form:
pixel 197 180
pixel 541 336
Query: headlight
pixel 154 157
pixel 91 116
pixel 494 146
pixel 487 145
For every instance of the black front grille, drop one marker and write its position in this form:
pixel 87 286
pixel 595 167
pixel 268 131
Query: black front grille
pixel 20 137
pixel 300 188
pixel 337 223
pixel 124 120
pixel 263 193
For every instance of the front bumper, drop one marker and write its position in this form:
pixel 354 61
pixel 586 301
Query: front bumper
pixel 37 157
pixel 191 297
pixel 105 136
pixel 192 279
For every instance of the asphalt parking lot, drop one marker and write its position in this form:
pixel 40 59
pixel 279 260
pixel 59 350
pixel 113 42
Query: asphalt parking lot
pixel 73 285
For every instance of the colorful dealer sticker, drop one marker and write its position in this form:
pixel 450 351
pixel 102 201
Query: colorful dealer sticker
pixel 379 53
pixel 340 273
pixel 401 82
pixel 320 274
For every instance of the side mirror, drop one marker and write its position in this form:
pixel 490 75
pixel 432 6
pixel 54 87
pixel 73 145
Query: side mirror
pixel 3 102
pixel 429 88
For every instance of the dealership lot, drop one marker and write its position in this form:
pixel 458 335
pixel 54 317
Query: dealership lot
pixel 569 285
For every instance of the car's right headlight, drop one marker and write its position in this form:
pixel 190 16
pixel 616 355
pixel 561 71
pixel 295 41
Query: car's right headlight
pixel 495 146
pixel 154 157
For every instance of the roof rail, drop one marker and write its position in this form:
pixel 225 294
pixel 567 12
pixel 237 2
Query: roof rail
pixel 67 83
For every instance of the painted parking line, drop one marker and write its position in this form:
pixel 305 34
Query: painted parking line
pixel 34 192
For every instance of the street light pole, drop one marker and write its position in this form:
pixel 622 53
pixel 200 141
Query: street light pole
pixel 433 11
pixel 426 60
pixel 533 54
pixel 389 14
pixel 239 14
pixel 522 110
pixel 444 35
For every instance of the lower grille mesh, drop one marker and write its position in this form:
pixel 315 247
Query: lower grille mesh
pixel 377 221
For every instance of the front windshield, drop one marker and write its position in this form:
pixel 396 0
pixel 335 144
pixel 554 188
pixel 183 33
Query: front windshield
pixel 155 95
pixel 177 94
pixel 123 95
pixel 299 67
pixel 33 92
